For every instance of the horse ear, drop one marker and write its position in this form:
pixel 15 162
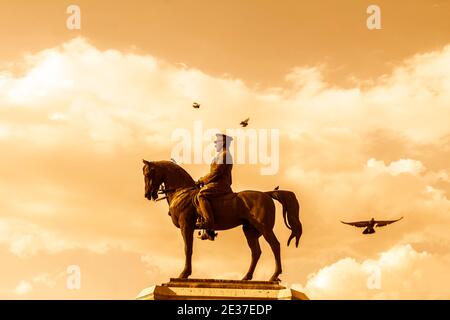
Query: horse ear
pixel 145 161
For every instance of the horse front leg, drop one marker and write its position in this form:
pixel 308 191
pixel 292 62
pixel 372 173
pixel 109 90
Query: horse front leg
pixel 187 232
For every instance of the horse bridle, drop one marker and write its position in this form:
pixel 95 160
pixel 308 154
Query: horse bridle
pixel 163 190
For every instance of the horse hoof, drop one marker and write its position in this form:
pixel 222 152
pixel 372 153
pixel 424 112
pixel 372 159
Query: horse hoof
pixel 183 275
pixel 275 279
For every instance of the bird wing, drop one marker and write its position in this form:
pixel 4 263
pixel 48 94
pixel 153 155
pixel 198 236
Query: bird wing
pixel 359 224
pixel 383 223
pixel 246 120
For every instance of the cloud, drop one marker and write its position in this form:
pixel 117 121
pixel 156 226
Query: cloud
pixel 43 279
pixel 75 124
pixel 399 273
pixel 396 167
pixel 47 279
pixel 23 288
pixel 24 239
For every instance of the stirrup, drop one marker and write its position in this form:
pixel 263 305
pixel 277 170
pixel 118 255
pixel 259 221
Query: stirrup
pixel 202 225
pixel 211 234
pixel 207 234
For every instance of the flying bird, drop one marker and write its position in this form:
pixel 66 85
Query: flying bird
pixel 196 105
pixel 371 224
pixel 244 123
pixel 276 188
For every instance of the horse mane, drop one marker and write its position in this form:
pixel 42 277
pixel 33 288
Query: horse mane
pixel 176 169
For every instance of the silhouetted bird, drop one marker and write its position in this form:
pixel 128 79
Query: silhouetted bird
pixel 369 225
pixel 276 188
pixel 196 105
pixel 244 123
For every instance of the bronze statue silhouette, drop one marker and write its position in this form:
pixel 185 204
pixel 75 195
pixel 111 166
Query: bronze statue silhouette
pixel 371 224
pixel 254 210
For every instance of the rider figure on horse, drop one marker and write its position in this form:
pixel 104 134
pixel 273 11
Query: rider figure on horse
pixel 215 184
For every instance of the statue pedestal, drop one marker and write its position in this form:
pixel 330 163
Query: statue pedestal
pixel 209 289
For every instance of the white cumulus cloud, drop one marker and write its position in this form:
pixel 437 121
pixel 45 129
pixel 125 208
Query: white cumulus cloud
pixel 398 273
pixel 23 288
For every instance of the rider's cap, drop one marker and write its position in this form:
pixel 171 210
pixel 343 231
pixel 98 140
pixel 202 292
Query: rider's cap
pixel 220 137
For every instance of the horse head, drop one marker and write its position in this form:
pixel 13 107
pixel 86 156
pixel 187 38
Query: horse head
pixel 153 179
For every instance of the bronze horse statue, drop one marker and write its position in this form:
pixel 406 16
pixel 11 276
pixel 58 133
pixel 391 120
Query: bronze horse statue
pixel 254 210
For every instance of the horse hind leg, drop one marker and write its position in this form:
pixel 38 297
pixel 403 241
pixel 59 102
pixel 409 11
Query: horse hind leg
pixel 252 234
pixel 275 246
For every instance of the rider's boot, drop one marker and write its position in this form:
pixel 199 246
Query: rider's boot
pixel 208 220
pixel 207 214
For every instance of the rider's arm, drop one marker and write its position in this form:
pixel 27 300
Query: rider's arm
pixel 217 170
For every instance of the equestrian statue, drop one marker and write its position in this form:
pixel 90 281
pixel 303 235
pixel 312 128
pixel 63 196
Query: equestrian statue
pixel 209 204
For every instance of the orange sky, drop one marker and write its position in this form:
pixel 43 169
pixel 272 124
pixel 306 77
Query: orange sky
pixel 255 40
pixel 363 120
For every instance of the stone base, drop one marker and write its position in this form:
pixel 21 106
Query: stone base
pixel 208 289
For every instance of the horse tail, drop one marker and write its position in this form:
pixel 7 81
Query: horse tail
pixel 291 212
